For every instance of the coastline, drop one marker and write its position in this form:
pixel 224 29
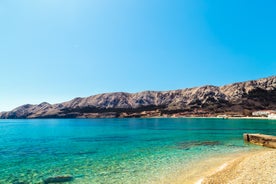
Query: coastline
pixel 164 152
pixel 198 169
pixel 213 117
pixel 254 167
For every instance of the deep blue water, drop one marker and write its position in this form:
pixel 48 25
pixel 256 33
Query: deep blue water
pixel 115 150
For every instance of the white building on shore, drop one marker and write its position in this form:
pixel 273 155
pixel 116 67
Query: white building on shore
pixel 271 116
pixel 264 113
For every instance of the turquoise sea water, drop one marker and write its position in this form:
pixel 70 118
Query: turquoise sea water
pixel 115 150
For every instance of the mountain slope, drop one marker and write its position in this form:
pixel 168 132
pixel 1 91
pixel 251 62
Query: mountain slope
pixel 237 99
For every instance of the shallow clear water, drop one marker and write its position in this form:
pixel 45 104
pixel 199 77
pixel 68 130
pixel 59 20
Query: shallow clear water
pixel 115 150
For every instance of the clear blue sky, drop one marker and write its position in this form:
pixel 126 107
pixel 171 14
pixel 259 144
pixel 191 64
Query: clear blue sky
pixel 55 50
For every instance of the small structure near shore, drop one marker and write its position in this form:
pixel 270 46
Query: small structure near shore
pixel 261 139
pixel 271 114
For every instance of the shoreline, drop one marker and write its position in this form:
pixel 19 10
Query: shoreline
pixel 238 167
pixel 213 117
pixel 151 117
pixel 198 169
pixel 256 167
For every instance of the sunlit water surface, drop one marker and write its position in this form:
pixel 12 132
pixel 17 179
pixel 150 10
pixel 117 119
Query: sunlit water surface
pixel 116 150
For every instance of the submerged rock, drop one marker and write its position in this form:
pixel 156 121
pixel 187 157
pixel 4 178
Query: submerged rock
pixel 19 182
pixel 58 179
pixel 188 145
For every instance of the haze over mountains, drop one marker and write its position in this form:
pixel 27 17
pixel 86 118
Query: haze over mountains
pixel 238 99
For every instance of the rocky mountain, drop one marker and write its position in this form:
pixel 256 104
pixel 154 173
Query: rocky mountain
pixel 236 99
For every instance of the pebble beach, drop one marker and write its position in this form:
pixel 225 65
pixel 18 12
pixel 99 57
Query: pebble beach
pixel 255 167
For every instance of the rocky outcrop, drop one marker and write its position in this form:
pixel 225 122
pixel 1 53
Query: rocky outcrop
pixel 58 179
pixel 234 99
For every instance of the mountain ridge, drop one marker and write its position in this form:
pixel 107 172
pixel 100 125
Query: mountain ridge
pixel 239 99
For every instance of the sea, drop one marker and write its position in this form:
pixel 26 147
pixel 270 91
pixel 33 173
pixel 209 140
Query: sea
pixel 126 151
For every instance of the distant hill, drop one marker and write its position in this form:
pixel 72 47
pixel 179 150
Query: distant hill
pixel 238 99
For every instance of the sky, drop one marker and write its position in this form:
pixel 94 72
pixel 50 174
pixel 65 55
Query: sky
pixel 56 50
